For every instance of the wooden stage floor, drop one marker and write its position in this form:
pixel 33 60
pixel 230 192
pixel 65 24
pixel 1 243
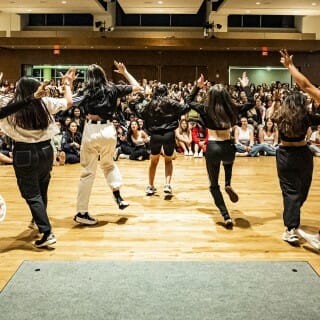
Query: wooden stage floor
pixel 187 227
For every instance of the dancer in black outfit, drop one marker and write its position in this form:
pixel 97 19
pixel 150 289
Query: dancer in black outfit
pixel 219 115
pixel 294 158
pixel 161 116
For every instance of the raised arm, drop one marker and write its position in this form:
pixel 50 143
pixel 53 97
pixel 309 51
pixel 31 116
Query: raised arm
pixel 67 81
pixel 121 69
pixel 299 78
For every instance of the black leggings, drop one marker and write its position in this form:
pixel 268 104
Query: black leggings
pixel 217 152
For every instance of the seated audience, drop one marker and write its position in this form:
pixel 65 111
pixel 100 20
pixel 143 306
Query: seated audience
pixel 184 137
pixel 71 143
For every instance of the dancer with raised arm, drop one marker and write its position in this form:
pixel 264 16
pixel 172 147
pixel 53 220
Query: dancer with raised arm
pixel 99 102
pixel 32 127
pixel 294 158
pixel 161 116
pixel 219 115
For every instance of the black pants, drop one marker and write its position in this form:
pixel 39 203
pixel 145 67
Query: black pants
pixel 32 163
pixel 217 152
pixel 295 167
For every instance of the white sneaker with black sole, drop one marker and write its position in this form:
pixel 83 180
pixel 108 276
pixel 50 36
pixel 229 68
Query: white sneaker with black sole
pixel 150 191
pixel 85 218
pixel 291 237
pixel 312 239
pixel 46 240
pixel 167 189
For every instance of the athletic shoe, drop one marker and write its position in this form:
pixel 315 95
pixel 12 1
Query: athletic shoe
pixel 150 191
pixel 291 237
pixel 312 239
pixel 232 194
pixel 186 153
pixel 122 204
pixel 46 240
pixel 200 155
pixel 85 218
pixel 3 209
pixel 32 225
pixel 196 155
pixel 228 223
pixel 190 153
pixel 167 189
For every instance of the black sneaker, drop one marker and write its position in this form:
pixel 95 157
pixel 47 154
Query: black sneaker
pixel 85 218
pixel 121 203
pixel 232 194
pixel 46 240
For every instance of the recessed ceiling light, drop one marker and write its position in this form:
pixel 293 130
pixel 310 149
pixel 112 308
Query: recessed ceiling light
pixel 160 2
pixel 63 2
pixel 257 3
pixel 313 3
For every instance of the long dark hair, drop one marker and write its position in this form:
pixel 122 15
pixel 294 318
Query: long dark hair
pixel 220 107
pixel 35 115
pixel 96 77
pixel 292 117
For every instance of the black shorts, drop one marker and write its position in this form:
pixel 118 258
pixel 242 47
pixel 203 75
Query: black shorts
pixel 165 140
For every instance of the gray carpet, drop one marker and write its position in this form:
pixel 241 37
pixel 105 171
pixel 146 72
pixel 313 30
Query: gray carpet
pixel 162 290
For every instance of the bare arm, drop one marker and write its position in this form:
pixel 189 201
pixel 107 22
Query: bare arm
pixel 67 80
pixel 299 78
pixel 121 69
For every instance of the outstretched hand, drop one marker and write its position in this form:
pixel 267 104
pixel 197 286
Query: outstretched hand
pixel 200 81
pixel 42 90
pixel 286 59
pixel 244 80
pixel 69 76
pixel 121 68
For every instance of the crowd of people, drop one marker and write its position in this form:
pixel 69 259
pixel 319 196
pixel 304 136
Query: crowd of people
pixel 100 122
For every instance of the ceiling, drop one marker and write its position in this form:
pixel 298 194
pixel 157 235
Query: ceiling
pixel 290 7
pixel 94 40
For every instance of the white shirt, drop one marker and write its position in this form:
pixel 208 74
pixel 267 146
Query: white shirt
pixel 19 134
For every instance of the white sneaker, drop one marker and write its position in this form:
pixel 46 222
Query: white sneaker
pixel 312 239
pixel 3 209
pixel 242 154
pixel 196 155
pixel 167 189
pixel 150 191
pixel 200 155
pixel 190 153
pixel 186 153
pixel 291 237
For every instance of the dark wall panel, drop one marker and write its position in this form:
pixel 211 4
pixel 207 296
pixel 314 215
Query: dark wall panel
pixel 167 66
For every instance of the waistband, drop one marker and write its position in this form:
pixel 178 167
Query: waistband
pixel 40 143
pixel 98 121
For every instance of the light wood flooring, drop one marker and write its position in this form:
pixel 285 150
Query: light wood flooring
pixel 187 227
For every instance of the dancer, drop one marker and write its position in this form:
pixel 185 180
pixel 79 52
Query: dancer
pixel 99 136
pixel 294 158
pixel 219 116
pixel 32 128
pixel 161 115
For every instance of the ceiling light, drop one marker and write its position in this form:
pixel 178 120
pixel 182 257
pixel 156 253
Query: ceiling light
pixel 257 3
pixel 160 2
pixel 64 2
pixel 313 3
